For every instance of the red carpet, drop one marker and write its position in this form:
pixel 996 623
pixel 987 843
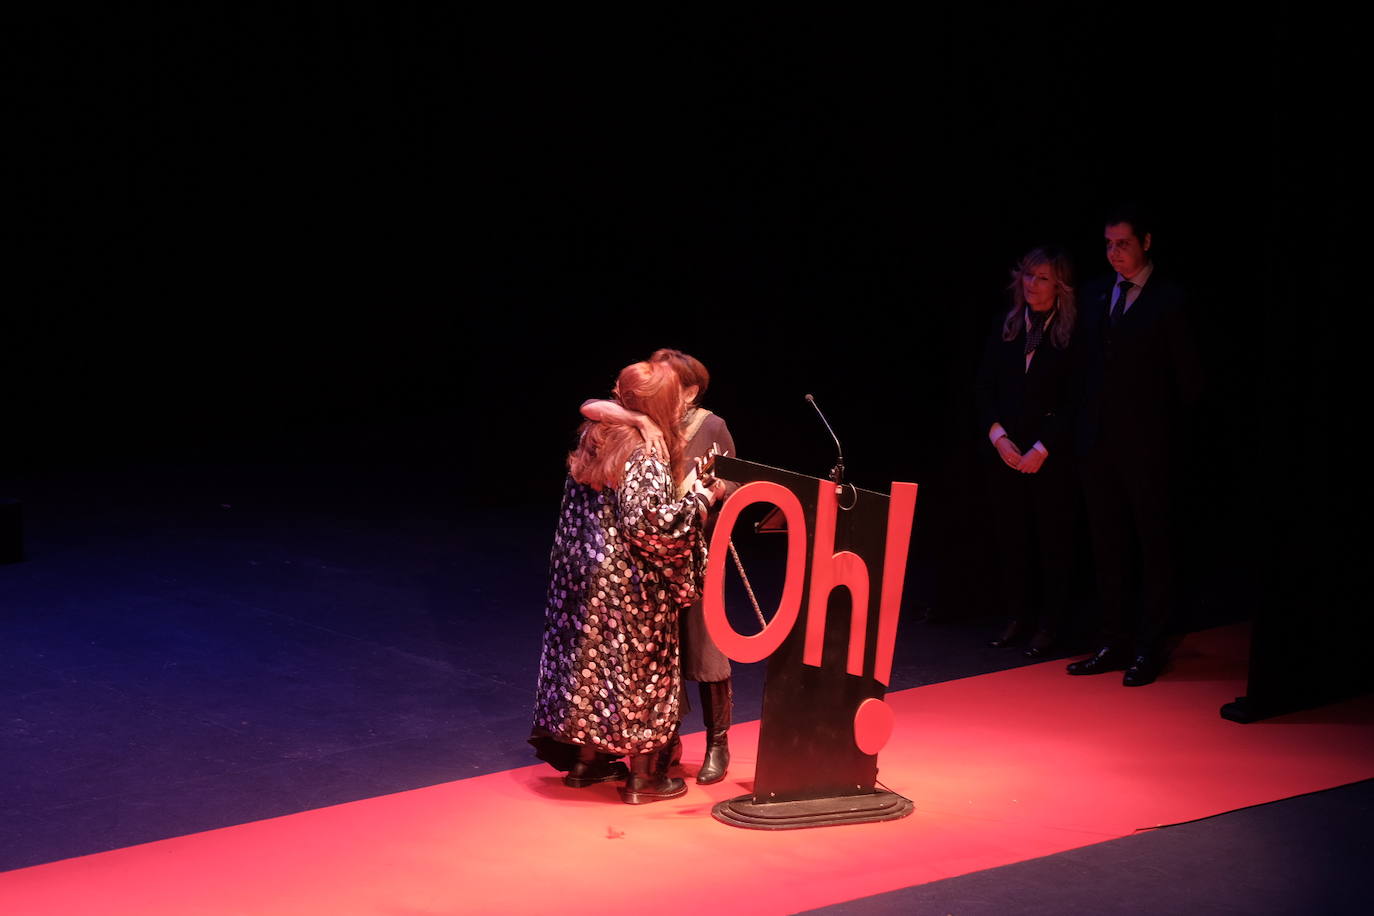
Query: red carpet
pixel 1003 767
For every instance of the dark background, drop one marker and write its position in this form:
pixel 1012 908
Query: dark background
pixel 301 299
pixel 391 238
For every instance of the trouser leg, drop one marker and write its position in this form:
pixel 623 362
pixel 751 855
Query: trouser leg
pixel 1109 524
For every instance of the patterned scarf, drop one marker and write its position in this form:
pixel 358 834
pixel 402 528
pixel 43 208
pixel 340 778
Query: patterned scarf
pixel 1039 321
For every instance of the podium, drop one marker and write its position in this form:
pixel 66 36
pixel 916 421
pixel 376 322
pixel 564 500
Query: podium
pixel 829 647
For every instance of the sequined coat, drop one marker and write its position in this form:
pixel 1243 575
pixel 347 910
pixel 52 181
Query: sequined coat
pixel 624 563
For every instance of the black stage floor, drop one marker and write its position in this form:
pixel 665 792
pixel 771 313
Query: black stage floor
pixel 199 644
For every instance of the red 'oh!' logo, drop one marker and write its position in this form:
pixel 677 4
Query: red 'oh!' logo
pixel 830 569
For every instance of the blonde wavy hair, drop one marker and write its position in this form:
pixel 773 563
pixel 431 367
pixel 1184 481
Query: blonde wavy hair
pixel 1065 305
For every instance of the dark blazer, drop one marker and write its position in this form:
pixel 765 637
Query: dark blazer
pixel 1133 381
pixel 1032 405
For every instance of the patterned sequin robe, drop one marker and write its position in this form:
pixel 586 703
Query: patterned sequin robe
pixel 624 563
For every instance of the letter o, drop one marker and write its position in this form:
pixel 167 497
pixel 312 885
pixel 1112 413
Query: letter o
pixel 735 645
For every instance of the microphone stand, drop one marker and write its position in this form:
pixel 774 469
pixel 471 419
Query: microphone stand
pixel 837 472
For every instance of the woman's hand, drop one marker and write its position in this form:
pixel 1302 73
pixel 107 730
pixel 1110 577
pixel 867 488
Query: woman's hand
pixel 1031 461
pixel 655 446
pixel 1011 455
pixel 703 495
pixel 654 443
pixel 703 472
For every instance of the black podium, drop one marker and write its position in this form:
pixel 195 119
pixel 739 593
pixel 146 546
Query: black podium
pixel 829 647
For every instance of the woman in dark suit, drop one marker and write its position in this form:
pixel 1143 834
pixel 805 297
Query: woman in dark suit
pixel 1023 393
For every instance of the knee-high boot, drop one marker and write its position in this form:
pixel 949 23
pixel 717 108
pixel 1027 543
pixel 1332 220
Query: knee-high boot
pixel 646 784
pixel 715 709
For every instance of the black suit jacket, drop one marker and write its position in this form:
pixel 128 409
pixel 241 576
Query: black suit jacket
pixel 1135 379
pixel 1032 405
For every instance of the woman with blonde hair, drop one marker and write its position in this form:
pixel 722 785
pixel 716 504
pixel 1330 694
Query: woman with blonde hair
pixel 1023 395
pixel 627 557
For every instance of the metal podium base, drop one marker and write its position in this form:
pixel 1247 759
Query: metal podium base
pixel 812 812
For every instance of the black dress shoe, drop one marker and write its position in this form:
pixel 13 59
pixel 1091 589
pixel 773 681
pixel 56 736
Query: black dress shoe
pixel 1142 671
pixel 1106 659
pixel 1013 635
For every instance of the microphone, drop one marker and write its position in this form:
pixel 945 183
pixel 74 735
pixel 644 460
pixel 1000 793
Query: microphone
pixel 837 472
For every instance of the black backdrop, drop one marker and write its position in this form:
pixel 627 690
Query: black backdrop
pixel 234 223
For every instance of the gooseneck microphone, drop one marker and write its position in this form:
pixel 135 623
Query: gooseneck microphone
pixel 837 472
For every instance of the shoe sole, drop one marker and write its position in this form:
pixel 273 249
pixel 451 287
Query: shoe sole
pixel 644 798
pixel 582 782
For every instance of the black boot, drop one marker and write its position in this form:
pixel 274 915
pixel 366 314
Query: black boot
pixel 593 767
pixel 670 756
pixel 645 785
pixel 715 709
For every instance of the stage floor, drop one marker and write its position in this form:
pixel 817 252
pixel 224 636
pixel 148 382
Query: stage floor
pixel 1002 767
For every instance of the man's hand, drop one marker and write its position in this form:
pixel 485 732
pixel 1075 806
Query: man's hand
pixel 1011 455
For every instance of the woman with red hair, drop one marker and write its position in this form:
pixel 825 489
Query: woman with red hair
pixel 627 557
pixel 705 434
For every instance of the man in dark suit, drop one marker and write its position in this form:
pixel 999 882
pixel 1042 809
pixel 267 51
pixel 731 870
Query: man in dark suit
pixel 1138 372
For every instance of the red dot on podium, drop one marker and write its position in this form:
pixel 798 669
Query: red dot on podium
pixel 873 725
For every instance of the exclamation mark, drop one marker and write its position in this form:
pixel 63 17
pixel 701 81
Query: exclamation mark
pixel 874 718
